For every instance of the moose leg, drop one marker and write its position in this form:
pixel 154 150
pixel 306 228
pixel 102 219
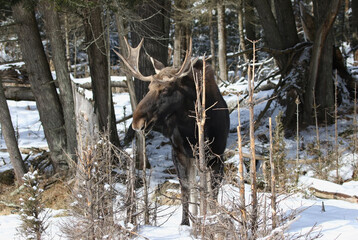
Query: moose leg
pixel 183 176
pixel 193 190
pixel 217 173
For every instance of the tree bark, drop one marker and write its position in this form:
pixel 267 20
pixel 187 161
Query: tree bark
pixel 177 45
pixel 18 93
pixel 272 32
pixel 286 23
pixel 280 29
pixel 154 30
pixel 182 31
pixel 254 202
pixel 155 45
pixel 334 195
pixel 240 23
pixel 53 29
pixel 10 138
pixel 222 42
pixel 178 34
pixel 249 16
pixel 123 50
pixel 42 84
pixel 318 65
pixel 96 51
pixel 212 40
pixel 354 29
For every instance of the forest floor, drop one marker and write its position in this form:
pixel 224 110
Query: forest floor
pixel 338 221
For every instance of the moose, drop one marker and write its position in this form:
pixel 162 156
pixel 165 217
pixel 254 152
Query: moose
pixel 170 104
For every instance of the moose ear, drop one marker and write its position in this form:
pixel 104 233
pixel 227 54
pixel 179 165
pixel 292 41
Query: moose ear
pixel 158 66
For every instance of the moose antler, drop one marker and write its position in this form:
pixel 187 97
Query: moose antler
pixel 185 67
pixel 132 61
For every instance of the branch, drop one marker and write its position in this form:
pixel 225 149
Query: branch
pixel 9 204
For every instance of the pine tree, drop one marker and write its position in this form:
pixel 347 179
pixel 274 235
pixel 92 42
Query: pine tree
pixel 32 213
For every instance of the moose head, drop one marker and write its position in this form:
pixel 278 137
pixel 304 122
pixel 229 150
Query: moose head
pixel 166 90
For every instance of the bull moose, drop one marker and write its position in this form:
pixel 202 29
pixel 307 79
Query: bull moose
pixel 169 105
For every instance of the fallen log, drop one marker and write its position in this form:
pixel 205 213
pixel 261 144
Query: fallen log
pixel 88 85
pixel 22 92
pixel 329 190
pixel 333 195
pixel 29 150
pixel 19 93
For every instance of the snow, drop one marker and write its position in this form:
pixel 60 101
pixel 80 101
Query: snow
pixel 339 221
pixel 349 188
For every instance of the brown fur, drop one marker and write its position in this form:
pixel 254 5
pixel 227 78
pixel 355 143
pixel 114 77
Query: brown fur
pixel 169 106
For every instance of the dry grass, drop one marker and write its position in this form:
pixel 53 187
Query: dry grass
pixel 6 197
pixel 55 196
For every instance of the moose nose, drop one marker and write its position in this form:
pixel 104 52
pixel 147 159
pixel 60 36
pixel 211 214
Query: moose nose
pixel 139 124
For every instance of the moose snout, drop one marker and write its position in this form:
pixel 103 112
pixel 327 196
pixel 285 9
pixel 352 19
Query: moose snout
pixel 138 124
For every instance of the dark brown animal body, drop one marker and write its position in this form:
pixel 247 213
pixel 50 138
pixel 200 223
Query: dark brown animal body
pixel 170 106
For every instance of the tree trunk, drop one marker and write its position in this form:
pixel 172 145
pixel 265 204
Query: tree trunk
pixel 178 35
pixel 155 44
pixel 240 23
pixel 254 202
pixel 42 85
pixel 99 71
pixel 222 42
pixel 177 45
pixel 58 50
pixel 212 40
pixel 123 50
pixel 182 31
pixel 10 138
pixel 354 29
pixel 320 73
pixel 286 23
pixel 249 20
pixel 272 33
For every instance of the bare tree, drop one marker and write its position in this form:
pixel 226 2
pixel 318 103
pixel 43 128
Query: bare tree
pixel 320 71
pixel 254 203
pixel 250 20
pixel 354 29
pixel 53 29
pixel 222 41
pixel 240 23
pixel 182 30
pixel 283 44
pixel 10 138
pixel 42 84
pixel 212 39
pixel 154 28
pixel 97 55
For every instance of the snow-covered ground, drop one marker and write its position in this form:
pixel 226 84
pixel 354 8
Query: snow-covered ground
pixel 338 221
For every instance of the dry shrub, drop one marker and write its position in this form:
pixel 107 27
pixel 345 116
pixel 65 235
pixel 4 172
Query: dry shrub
pixel 94 211
pixel 57 196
